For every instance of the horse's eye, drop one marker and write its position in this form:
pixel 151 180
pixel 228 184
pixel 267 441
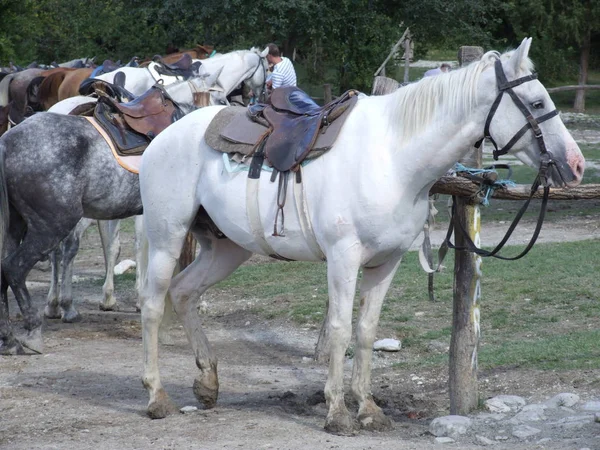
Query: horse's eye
pixel 538 105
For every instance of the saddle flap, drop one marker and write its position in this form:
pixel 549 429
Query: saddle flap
pixel 150 103
pixel 291 139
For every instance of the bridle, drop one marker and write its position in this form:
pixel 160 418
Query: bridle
pixel 261 64
pixel 505 86
pixel 546 162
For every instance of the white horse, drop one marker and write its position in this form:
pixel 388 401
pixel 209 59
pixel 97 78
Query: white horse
pixel 59 302
pixel 241 66
pixel 365 202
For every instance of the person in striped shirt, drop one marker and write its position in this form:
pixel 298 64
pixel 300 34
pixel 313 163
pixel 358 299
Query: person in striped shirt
pixel 283 69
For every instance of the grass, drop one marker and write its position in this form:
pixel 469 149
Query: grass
pixel 542 311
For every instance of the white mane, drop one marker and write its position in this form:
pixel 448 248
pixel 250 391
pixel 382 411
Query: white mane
pixel 453 94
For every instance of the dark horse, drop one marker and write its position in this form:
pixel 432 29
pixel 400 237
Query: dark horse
pixel 54 170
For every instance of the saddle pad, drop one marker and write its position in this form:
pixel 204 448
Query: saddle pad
pixel 130 163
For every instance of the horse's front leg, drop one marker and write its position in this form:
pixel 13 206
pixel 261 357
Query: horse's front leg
pixel 374 285
pixel 111 246
pixel 161 263
pixel 343 263
pixel 141 265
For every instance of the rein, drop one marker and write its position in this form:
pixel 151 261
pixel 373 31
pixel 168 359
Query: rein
pixel 259 65
pixel 546 161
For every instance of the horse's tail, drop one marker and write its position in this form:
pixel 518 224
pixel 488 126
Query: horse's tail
pixel 48 91
pixel 4 212
pixel 5 89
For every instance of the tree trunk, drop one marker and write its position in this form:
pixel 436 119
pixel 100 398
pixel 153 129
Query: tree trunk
pixel 579 105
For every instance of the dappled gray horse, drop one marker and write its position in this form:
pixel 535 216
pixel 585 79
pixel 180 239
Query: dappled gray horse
pixel 55 170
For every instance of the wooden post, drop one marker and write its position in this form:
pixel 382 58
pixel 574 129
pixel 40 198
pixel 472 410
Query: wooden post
pixel 327 96
pixel 383 85
pixel 394 50
pixel 407 52
pixel 464 343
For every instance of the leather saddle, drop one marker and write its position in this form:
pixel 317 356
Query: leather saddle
pixel 183 67
pixel 91 86
pixel 133 125
pixel 285 131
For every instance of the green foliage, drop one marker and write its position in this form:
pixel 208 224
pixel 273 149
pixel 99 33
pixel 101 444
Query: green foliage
pixel 341 42
pixel 558 27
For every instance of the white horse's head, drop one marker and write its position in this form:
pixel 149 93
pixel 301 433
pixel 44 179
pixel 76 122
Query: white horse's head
pixel 257 61
pixel 208 82
pixel 523 119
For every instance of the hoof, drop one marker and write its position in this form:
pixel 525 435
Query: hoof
pixel 110 307
pixel 207 395
pixel 11 347
pixel 52 312
pixel 33 340
pixel 340 424
pixel 161 407
pixel 71 316
pixel 375 422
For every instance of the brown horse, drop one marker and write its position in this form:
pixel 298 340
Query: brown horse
pixel 198 52
pixel 17 92
pixel 43 90
pixel 70 85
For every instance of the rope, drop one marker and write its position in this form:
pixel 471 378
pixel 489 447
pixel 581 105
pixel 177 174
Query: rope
pixel 487 187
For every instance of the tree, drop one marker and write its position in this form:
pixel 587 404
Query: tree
pixel 563 31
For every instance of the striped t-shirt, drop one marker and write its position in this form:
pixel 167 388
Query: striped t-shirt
pixel 283 74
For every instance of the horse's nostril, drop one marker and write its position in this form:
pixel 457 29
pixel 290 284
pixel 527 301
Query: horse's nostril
pixel 580 169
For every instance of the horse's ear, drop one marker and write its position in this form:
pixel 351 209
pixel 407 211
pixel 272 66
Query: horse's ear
pixel 212 79
pixel 517 60
pixel 264 53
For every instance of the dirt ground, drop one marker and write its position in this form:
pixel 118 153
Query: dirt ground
pixel 85 390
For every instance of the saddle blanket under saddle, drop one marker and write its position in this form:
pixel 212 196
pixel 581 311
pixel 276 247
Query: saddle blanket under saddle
pixel 130 163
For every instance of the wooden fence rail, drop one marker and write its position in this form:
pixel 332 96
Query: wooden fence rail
pixel 574 87
pixel 464 187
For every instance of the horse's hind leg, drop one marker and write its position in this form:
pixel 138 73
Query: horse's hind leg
pixel 111 244
pixel 16 266
pixel 52 309
pixel 218 258
pixel 8 343
pixel 374 285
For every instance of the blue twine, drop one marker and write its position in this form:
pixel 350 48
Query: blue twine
pixel 487 190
